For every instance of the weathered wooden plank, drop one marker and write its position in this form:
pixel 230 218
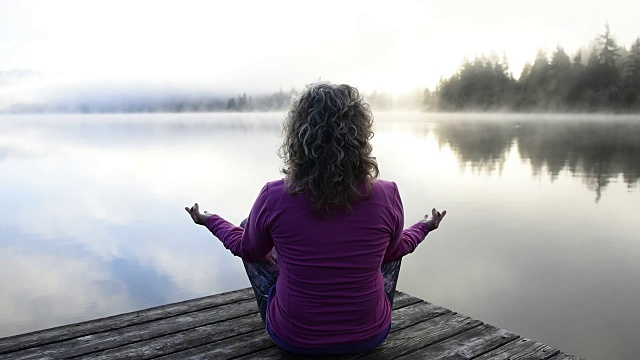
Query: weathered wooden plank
pixel 273 353
pixel 42 337
pixel 227 326
pixel 466 345
pixel 227 348
pixel 406 312
pixel 521 349
pixel 415 337
pixel 135 333
pixel 563 356
pixel 415 313
pixel 401 300
pixel 399 342
pixel 402 318
pixel 220 334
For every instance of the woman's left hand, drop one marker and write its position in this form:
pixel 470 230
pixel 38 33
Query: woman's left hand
pixel 197 217
pixel 434 219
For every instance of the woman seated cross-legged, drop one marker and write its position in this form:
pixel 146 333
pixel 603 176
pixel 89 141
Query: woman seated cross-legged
pixel 322 247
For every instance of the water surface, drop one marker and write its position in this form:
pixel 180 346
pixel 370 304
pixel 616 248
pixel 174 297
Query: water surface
pixel 541 237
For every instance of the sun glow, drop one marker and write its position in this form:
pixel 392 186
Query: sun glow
pixel 251 45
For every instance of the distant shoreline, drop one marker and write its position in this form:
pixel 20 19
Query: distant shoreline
pixel 469 114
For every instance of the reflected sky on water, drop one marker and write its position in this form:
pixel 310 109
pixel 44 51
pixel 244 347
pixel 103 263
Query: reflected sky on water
pixel 541 236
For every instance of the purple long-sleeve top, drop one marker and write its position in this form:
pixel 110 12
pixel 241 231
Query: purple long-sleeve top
pixel 330 290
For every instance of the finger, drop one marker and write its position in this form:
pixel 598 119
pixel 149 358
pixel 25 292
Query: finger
pixel 186 209
pixel 444 213
pixel 434 213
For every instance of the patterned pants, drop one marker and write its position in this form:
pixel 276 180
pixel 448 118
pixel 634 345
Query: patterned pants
pixel 263 275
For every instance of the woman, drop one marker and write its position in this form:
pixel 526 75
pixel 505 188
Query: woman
pixel 322 247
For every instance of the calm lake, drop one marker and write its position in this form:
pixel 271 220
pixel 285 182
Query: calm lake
pixel 542 235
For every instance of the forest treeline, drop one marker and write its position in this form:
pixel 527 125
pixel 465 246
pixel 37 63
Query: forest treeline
pixel 272 102
pixel 607 80
pixel 603 78
pixel 244 102
pixel 144 103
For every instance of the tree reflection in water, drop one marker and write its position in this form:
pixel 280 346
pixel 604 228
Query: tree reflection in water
pixel 596 150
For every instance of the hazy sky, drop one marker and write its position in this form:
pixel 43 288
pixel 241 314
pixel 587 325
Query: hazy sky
pixel 263 45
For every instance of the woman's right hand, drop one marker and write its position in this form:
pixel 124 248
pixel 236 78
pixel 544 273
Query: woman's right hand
pixel 197 217
pixel 433 220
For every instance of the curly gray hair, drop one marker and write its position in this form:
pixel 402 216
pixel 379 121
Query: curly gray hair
pixel 326 147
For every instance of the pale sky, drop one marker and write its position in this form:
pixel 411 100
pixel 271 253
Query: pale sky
pixel 265 45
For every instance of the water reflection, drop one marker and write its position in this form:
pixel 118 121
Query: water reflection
pixel 598 151
pixel 93 223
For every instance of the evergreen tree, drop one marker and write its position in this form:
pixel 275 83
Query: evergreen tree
pixel 560 62
pixel 534 83
pixel 577 87
pixel 608 55
pixel 479 85
pixel 232 105
pixel 561 80
pixel 427 99
pixel 631 79
pixel 243 105
pixel 603 75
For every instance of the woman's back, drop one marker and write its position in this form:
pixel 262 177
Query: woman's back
pixel 330 289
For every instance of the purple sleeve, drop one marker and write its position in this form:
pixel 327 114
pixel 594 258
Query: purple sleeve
pixel 405 241
pixel 254 241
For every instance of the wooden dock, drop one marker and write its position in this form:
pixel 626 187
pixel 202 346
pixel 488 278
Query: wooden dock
pixel 228 326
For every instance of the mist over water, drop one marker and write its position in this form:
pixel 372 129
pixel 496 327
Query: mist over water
pixel 596 148
pixel 541 237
